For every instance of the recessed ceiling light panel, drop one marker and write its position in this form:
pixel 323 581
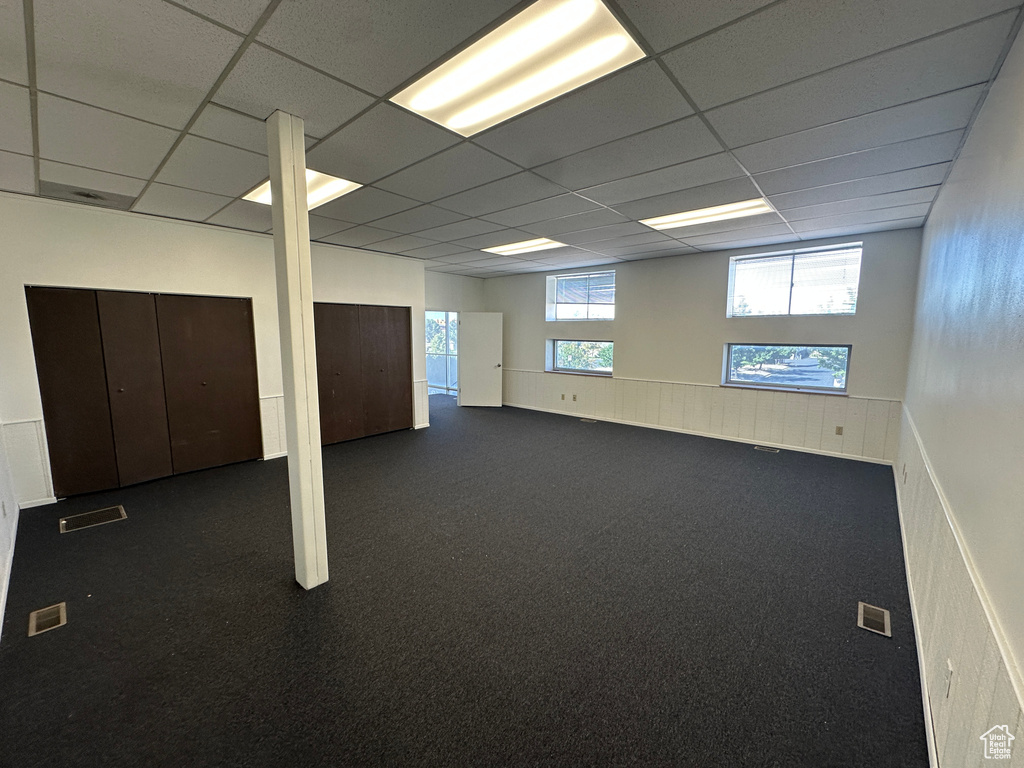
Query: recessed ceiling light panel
pixel 551 48
pixel 706 215
pixel 526 246
pixel 320 189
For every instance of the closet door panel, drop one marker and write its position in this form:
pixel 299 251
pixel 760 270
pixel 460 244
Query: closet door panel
pixel 399 381
pixel 374 346
pixel 339 372
pixel 73 388
pixel 209 361
pixel 135 385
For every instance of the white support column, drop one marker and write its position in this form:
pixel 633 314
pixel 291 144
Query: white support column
pixel 298 346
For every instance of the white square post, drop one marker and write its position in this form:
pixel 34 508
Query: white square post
pixel 298 346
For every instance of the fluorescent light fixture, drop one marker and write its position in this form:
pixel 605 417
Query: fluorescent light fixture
pixel 320 189
pixel 527 246
pixel 706 215
pixel 551 48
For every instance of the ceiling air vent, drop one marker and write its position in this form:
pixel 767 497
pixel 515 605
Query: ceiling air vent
pixel 84 195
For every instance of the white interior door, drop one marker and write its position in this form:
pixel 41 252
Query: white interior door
pixel 480 358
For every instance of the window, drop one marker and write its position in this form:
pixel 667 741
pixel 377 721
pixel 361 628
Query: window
pixel 442 353
pixel 581 297
pixel 795 283
pixel 819 369
pixel 581 357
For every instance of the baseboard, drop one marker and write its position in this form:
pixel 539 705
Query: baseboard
pixel 929 726
pixel 37 502
pixel 730 438
pixel 422 426
pixel 275 455
pixel 7 575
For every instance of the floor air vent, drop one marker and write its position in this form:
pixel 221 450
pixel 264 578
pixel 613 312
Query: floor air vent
pixel 873 619
pixel 766 449
pixel 46 619
pixel 89 519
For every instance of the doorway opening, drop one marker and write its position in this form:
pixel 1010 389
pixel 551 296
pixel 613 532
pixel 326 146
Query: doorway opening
pixel 442 353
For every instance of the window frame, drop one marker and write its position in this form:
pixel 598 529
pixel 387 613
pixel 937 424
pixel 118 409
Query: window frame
pixel 727 369
pixel 551 297
pixel 793 254
pixel 552 355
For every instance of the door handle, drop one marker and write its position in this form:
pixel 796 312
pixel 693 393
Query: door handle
pixel 121 389
pixel 204 383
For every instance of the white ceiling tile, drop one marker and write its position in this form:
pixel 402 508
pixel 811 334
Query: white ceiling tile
pixel 884 226
pixel 610 249
pixel 376 46
pixel 936 114
pixel 859 165
pixel 458 230
pixel 688 234
pixel 754 242
pixel 602 234
pixel 875 185
pixel 756 54
pixel 243 214
pixel 492 239
pixel 211 167
pixel 552 207
pixel 15 119
pixel 875 202
pixel 417 219
pixel 695 173
pixel 358 237
pixel 862 217
pixel 402 243
pixel 264 81
pixel 13 62
pixel 465 257
pixel 321 226
pixel 237 14
pixel 566 256
pixel 81 135
pixel 719 193
pixel 17 173
pixel 647 237
pixel 87 178
pixel 627 102
pixel 943 63
pixel 669 144
pixel 679 250
pixel 364 204
pixel 232 128
pixel 143 58
pixel 575 223
pixel 437 251
pixel 453 170
pixel 746 235
pixel 178 203
pixel 504 193
pixel 378 143
pixel 664 23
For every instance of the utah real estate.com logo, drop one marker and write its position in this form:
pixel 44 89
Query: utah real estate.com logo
pixel 998 742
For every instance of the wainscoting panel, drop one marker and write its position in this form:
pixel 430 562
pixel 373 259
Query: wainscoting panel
pixel 420 404
pixel 952 624
pixel 25 444
pixel 272 420
pixel 785 419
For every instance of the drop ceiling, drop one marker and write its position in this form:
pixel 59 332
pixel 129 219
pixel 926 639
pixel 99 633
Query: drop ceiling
pixel 845 116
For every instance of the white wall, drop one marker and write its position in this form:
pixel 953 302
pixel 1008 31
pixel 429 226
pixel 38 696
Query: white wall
pixel 53 243
pixel 454 293
pixel 965 396
pixel 8 528
pixel 671 326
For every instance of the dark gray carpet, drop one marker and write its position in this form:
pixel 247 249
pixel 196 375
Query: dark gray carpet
pixel 507 588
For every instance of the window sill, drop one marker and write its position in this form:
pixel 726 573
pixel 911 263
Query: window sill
pixel 579 373
pixel 797 390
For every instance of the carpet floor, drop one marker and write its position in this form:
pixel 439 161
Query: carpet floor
pixel 507 587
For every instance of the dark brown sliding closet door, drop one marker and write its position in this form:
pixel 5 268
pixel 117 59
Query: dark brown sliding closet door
pixel 209 361
pixel 73 387
pixel 387 368
pixel 135 385
pixel 339 372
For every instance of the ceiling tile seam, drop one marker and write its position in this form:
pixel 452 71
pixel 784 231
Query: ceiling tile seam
pixel 861 197
pixel 1007 45
pixel 648 49
pixel 858 151
pixel 714 30
pixel 204 17
pixel 16 84
pixel 862 178
pixel 862 59
pixel 243 46
pixel 101 170
pixel 109 111
pixel 857 116
pixel 240 113
pixel 324 72
pixel 28 10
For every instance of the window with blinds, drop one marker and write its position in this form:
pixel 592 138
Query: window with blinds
pixel 796 283
pixel 581 297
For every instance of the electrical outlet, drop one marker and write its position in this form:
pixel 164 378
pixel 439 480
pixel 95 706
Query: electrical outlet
pixel 839 430
pixel 574 398
pixel 563 396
